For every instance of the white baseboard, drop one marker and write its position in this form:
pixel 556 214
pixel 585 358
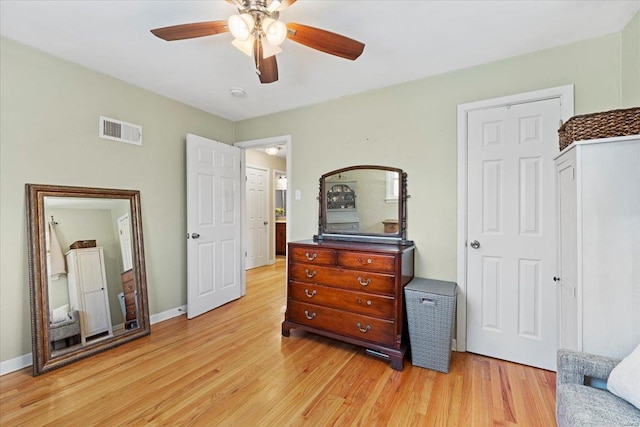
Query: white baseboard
pixel 16 364
pixel 169 314
pixel 25 360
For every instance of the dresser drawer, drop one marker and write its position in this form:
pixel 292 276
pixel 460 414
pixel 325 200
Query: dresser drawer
pixel 342 226
pixel 342 322
pixel 366 261
pixel 130 311
pixel 312 255
pixel 129 299
pixel 357 302
pixel 128 283
pixel 362 281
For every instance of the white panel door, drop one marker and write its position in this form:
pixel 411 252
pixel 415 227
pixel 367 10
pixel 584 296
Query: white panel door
pixel 214 247
pixel 257 220
pixel 511 297
pixel 567 255
pixel 124 231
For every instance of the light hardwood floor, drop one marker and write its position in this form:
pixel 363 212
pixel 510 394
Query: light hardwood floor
pixel 232 367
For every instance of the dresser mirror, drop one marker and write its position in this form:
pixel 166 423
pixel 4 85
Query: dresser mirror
pixel 363 203
pixel 86 272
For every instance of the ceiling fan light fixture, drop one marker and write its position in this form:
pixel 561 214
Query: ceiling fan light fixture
pixel 268 50
pixel 245 46
pixel 275 31
pixel 241 26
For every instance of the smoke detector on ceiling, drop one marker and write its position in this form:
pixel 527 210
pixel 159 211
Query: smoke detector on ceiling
pixel 238 92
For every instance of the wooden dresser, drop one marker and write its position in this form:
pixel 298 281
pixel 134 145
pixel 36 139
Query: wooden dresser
pixel 350 291
pixel 128 287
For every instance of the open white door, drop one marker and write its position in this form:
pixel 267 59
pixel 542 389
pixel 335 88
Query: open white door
pixel 215 266
pixel 124 230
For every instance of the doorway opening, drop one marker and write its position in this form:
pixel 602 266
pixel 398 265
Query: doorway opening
pixel 274 154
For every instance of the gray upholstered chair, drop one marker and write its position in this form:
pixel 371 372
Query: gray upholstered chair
pixel 578 404
pixel 68 328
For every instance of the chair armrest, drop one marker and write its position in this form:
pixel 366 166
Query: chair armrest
pixel 72 318
pixel 573 366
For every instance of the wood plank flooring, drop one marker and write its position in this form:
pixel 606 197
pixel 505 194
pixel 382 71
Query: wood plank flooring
pixel 232 367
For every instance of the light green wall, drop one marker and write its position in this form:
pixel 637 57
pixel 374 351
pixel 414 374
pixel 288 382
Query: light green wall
pixel 49 112
pixel 631 63
pixel 413 126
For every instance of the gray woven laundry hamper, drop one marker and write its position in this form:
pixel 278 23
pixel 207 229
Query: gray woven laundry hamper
pixel 431 306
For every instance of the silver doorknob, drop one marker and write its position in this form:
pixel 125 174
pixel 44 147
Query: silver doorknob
pixel 475 244
pixel 195 235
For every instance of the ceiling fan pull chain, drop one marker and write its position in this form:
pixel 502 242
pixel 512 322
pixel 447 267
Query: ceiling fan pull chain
pixel 258 54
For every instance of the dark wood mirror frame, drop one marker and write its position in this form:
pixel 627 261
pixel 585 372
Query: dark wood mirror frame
pixel 398 237
pixel 43 361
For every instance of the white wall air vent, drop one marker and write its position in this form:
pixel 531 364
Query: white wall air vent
pixel 117 130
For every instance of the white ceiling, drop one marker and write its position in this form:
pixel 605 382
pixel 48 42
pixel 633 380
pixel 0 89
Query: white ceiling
pixel 405 40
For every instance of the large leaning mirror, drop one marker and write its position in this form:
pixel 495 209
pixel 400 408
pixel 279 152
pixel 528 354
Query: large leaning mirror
pixel 363 203
pixel 87 272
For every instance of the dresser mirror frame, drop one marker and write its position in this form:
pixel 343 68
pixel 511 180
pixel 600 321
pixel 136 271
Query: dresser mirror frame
pixel 346 175
pixel 45 358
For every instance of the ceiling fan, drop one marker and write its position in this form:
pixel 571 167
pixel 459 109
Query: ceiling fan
pixel 259 33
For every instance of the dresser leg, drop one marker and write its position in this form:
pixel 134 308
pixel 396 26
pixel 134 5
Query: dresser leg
pixel 286 329
pixel 397 362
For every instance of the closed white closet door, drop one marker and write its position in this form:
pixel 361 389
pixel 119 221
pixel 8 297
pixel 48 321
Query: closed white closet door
pixel 511 296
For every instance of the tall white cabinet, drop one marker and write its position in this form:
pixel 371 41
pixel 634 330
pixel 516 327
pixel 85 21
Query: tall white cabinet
pixel 598 281
pixel 88 291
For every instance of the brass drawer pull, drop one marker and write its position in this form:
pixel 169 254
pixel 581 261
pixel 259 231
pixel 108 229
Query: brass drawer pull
pixel 364 282
pixel 363 330
pixel 310 294
pixel 310 275
pixel 311 316
pixel 311 257
pixel 362 262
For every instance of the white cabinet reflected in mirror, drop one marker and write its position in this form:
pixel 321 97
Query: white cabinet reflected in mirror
pixel 88 285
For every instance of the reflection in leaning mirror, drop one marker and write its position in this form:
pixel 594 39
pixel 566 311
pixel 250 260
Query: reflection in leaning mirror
pixel 88 254
pixel 87 279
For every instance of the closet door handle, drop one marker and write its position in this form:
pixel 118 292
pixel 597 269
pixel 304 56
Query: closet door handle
pixel 195 236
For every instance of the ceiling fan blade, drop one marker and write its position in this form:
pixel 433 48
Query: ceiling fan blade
pixel 190 31
pixel 267 67
pixel 325 41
